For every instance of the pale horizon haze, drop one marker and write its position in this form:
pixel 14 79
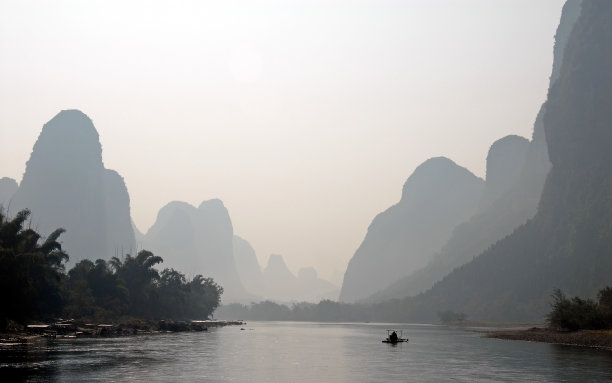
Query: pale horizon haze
pixel 304 117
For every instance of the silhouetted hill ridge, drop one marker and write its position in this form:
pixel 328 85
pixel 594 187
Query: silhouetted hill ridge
pixel 568 243
pixel 511 197
pixel 66 185
pixel 248 267
pixel 501 208
pixel 281 285
pixel 435 198
pixel 198 241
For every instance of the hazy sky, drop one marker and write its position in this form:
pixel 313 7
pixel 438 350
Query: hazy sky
pixel 304 117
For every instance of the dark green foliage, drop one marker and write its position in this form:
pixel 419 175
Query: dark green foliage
pixel 604 298
pixel 95 292
pixel 204 297
pixel 31 272
pixel 35 287
pixel 179 299
pixel 133 287
pixel 140 279
pixel 580 314
pixel 172 293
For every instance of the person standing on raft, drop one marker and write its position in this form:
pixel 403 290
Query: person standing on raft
pixel 393 337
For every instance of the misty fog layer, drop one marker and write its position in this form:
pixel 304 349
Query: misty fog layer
pixel 66 186
pixel 494 249
pixel 435 198
pixel 516 172
pixel 567 243
pixel 304 117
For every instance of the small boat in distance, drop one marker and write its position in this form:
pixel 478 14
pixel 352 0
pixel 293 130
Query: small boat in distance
pixel 393 338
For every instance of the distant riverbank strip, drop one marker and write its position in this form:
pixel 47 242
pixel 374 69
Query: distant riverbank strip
pixel 585 338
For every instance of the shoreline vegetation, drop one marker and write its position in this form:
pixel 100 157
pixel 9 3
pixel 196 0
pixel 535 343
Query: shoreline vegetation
pixel 69 329
pixel 127 292
pixel 531 332
pixel 584 338
pixel 129 296
pixel 572 321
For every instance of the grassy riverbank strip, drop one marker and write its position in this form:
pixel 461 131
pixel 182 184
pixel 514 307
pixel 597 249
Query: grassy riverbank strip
pixel 585 338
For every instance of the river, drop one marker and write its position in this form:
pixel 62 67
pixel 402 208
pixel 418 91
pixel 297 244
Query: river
pixel 302 352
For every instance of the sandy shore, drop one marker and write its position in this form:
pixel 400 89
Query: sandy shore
pixel 586 338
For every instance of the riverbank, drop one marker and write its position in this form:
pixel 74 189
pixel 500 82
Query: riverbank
pixel 493 325
pixel 77 329
pixel 584 338
pixel 308 352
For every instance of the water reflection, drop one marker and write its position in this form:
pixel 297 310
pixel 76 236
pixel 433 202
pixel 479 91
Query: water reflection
pixel 302 352
pixel 572 361
pixel 27 362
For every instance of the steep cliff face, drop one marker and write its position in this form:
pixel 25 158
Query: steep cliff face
pixel 516 172
pixel 8 187
pixel 248 267
pixel 65 185
pixel 505 161
pixel 173 237
pixel 569 241
pixel 576 206
pixel 120 233
pixel 215 241
pixel 437 197
pixel 197 241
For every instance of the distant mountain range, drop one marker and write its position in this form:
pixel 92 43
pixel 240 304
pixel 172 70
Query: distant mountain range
pixel 283 286
pixel 197 241
pixel 201 241
pixel 493 249
pixel 66 185
pixel 516 172
pixel 568 243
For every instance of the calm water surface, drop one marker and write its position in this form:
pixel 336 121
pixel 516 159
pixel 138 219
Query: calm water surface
pixel 303 352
